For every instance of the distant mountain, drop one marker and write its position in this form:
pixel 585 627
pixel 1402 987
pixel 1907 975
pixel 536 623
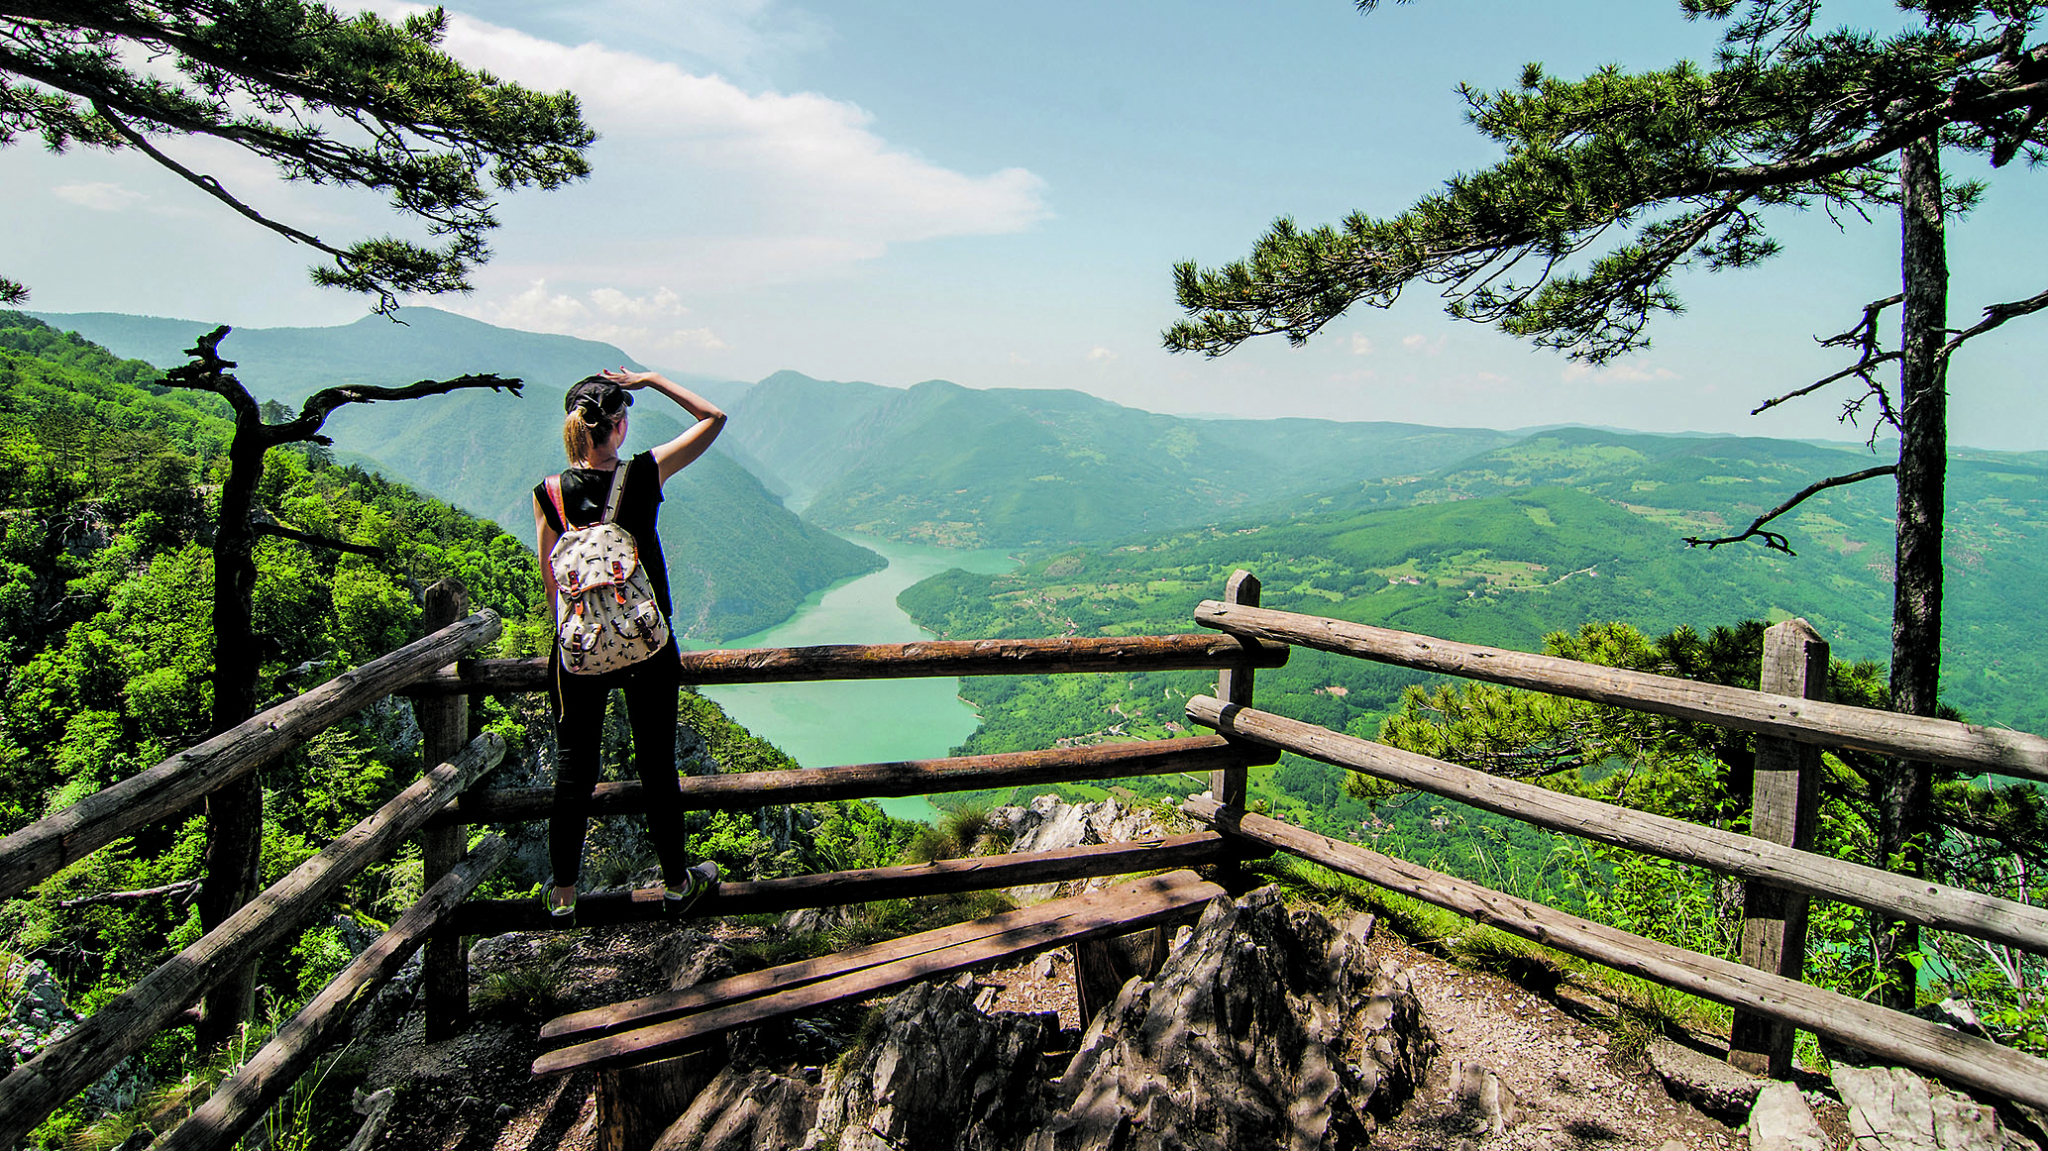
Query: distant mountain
pixel 940 463
pixel 739 561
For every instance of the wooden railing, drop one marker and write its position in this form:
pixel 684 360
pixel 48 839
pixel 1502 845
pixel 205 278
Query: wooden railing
pixel 1769 998
pixel 434 673
pixel 442 804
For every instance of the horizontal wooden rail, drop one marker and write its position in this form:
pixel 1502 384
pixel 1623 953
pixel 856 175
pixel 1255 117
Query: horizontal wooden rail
pixel 836 888
pixel 612 1018
pixel 899 661
pixel 1118 911
pixel 1918 900
pixel 744 791
pixel 72 1061
pixel 46 846
pixel 242 1098
pixel 1942 741
pixel 1912 1042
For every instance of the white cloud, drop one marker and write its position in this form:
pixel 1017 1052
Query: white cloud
pixel 642 326
pixel 1636 372
pixel 799 164
pixel 1101 356
pixel 99 197
pixel 1417 342
pixel 1361 345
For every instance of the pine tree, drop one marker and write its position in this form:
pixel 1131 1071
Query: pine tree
pixel 356 101
pixel 1612 184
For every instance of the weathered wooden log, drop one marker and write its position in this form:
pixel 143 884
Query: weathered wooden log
pixel 1116 911
pixel 444 729
pixel 244 1097
pixel 745 791
pixel 74 1060
pixel 1784 808
pixel 1918 900
pixel 635 1105
pixel 1917 1043
pixel 1942 741
pixel 1230 785
pixel 837 888
pixel 897 661
pixel 580 1026
pixel 44 847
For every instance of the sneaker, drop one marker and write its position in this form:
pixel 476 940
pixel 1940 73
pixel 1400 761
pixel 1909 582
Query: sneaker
pixel 696 881
pixel 558 910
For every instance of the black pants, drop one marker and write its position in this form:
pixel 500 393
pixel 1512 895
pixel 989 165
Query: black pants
pixel 650 688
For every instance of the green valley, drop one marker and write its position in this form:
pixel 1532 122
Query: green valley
pixel 1543 535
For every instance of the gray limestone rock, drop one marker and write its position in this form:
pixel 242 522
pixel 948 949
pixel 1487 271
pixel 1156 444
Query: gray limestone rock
pixel 1889 1108
pixel 1707 1083
pixel 1892 1109
pixel 939 1074
pixel 1781 1121
pixel 1483 1101
pixel 1264 1028
pixel 742 1110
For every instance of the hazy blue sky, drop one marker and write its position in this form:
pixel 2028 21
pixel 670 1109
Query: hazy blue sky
pixel 994 193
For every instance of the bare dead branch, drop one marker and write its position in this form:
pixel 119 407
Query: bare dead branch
pixel 184 888
pixel 1994 315
pixel 1775 540
pixel 321 404
pixel 209 373
pixel 1864 336
pixel 265 526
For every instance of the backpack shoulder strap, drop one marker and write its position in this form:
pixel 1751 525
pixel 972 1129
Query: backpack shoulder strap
pixel 611 502
pixel 554 486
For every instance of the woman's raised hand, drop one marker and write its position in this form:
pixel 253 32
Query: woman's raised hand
pixel 628 380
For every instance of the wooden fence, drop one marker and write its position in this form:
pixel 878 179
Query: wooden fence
pixel 1766 991
pixel 434 672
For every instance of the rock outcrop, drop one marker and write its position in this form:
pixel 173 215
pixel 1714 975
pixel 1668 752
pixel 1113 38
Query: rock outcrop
pixel 1264 1027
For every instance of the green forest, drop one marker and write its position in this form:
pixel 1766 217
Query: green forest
pixel 105 593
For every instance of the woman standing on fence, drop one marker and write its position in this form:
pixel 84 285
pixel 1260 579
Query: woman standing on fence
pixel 609 589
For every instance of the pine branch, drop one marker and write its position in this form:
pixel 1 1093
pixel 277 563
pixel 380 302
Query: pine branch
pixel 211 186
pixel 1774 540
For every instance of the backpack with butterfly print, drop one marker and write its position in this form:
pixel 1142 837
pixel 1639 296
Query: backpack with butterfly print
pixel 606 616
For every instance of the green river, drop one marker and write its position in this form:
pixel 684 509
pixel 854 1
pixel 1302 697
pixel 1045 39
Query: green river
pixel 862 721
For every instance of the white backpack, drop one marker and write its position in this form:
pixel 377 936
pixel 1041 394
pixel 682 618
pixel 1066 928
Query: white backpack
pixel 606 616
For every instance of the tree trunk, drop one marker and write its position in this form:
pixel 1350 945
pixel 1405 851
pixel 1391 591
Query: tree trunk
pixel 1905 795
pixel 234 814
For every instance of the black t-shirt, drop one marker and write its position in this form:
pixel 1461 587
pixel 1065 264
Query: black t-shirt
pixel 583 494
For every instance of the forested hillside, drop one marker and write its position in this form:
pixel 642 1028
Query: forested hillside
pixel 739 561
pixel 107 481
pixel 1003 467
pixel 1541 536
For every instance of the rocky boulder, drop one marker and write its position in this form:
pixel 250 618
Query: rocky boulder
pixel 1265 1028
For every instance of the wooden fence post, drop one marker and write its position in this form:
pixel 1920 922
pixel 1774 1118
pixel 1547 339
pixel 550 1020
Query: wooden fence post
pixel 1782 810
pixel 1234 685
pixel 444 730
